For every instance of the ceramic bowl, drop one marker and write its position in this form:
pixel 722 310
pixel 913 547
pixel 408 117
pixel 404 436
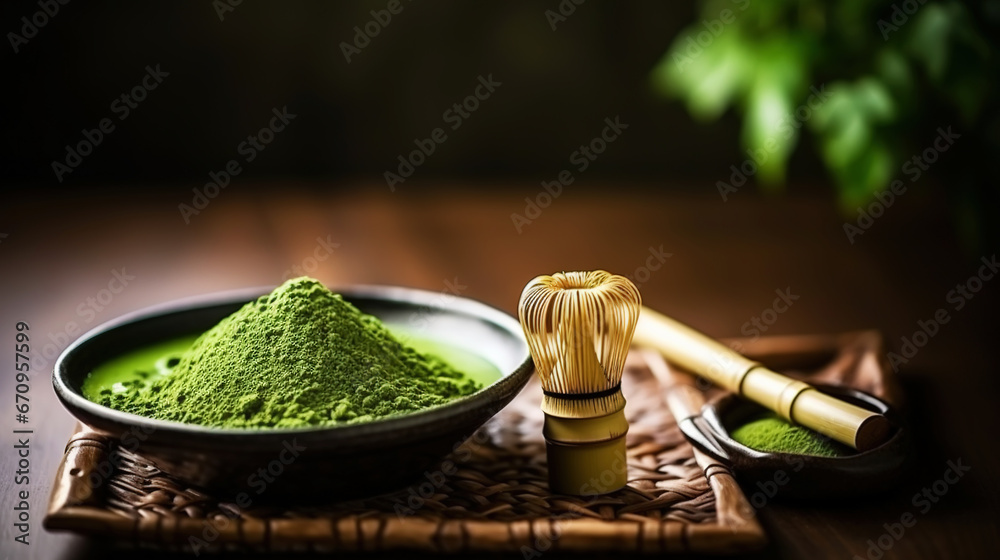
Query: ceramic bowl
pixel 314 463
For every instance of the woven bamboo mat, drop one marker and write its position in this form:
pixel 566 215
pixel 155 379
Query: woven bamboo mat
pixel 496 497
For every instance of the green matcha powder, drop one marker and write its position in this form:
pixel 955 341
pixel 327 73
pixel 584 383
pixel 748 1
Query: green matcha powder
pixel 300 356
pixel 771 433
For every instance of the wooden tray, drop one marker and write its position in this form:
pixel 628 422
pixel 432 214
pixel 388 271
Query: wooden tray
pixel 495 499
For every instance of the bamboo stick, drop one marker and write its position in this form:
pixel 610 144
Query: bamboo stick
pixel 796 401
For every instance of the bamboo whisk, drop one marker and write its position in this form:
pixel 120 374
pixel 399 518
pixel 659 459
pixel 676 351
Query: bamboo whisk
pixel 579 326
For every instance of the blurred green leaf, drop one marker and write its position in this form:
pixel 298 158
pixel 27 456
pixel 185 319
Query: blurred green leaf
pixel 707 77
pixel 770 126
pixel 870 173
pixel 843 145
pixel 893 71
pixel 833 112
pixel 763 135
pixel 928 39
pixel 879 86
pixel 873 98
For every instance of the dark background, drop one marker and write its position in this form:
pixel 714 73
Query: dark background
pixel 355 118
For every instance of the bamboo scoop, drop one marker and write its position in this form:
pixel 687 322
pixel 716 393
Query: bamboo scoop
pixel 579 326
pixel 796 401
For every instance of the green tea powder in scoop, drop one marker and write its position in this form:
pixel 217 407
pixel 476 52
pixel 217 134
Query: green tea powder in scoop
pixel 300 356
pixel 771 433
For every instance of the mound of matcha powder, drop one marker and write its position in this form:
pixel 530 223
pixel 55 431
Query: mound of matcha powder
pixel 772 433
pixel 300 356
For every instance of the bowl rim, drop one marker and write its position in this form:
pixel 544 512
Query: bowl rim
pixel 74 401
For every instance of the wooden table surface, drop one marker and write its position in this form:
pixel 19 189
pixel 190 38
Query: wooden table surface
pixel 715 265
